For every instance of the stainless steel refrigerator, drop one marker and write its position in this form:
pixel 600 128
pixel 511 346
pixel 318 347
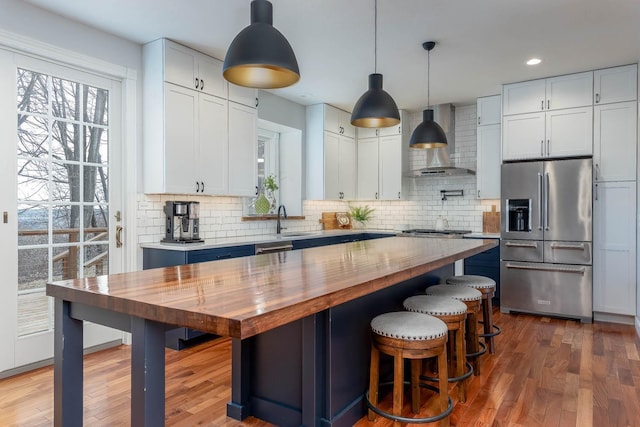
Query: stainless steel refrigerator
pixel 546 245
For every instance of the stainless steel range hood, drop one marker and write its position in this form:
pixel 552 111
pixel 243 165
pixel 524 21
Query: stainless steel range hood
pixel 438 162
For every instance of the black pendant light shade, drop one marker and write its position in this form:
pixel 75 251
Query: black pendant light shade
pixel 375 108
pixel 260 56
pixel 428 134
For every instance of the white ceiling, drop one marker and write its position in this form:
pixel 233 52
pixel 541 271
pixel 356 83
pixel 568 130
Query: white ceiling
pixel 481 43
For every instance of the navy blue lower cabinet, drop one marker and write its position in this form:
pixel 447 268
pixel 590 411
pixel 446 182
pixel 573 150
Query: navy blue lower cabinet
pixel 334 240
pixel 486 264
pixel 315 371
pixel 179 338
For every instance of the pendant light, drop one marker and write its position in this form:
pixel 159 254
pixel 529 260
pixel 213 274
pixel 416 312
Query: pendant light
pixel 428 134
pixel 260 56
pixel 375 108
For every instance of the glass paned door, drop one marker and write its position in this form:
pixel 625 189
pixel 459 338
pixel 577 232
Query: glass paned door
pixel 65 213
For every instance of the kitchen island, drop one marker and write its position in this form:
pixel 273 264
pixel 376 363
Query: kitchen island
pixel 276 305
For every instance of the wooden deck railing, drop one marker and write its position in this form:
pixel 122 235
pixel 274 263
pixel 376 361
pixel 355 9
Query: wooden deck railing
pixel 69 257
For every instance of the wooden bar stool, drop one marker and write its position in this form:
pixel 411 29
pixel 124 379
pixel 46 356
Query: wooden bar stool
pixel 453 313
pixel 487 287
pixel 471 298
pixel 414 336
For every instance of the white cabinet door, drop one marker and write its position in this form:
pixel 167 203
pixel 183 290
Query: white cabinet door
pixel 347 168
pixel 333 119
pixel 614 252
pixel 365 133
pixel 390 167
pixel 210 74
pixel 180 144
pixel 242 150
pixel 391 130
pixel 614 141
pixel 213 143
pixel 569 132
pixel 616 84
pixel 180 65
pixel 523 136
pixel 525 97
pixel 243 95
pixel 368 168
pixel 573 90
pixel 331 166
pixel 489 109
pixel 488 162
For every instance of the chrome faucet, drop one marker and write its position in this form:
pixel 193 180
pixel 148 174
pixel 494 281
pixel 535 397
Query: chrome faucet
pixel 279 228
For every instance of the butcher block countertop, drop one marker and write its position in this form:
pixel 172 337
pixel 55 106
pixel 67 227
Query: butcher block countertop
pixel 246 296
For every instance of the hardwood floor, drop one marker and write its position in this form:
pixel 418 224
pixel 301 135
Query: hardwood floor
pixel 546 372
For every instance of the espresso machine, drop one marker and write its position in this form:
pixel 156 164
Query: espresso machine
pixel 182 223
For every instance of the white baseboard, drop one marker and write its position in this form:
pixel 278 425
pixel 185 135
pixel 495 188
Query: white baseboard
pixel 613 318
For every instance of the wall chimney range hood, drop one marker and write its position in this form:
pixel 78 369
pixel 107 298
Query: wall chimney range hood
pixel 438 160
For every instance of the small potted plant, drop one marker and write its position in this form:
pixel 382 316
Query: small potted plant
pixel 270 186
pixel 361 214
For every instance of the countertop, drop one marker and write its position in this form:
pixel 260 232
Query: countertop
pixel 246 296
pixel 265 238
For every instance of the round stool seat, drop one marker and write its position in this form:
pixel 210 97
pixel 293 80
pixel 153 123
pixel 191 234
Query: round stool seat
pixel 459 292
pixel 476 282
pixel 435 305
pixel 406 325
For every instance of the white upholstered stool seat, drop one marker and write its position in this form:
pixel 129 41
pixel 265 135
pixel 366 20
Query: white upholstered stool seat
pixel 408 326
pixel 434 305
pixel 454 314
pixel 487 287
pixel 413 336
pixel 476 282
pixel 472 298
pixel 459 292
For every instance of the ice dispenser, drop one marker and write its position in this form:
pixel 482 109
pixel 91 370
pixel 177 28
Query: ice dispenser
pixel 519 215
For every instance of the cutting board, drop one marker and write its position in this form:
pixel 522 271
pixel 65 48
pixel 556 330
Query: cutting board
pixel 330 222
pixel 491 221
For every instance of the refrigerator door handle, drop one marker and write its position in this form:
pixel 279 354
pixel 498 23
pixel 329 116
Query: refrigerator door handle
pixel 579 247
pixel 540 201
pixel 546 201
pixel 580 271
pixel 521 245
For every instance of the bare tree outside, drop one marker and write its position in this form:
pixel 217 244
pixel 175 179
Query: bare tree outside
pixel 62 170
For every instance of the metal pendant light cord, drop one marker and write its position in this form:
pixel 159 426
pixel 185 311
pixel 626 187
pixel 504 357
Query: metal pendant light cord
pixel 428 75
pixel 375 36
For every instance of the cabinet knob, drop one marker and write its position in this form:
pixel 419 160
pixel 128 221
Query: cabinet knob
pixel 256 190
pixel 597 98
pixel 542 105
pixel 376 195
pixel 548 104
pixel 197 82
pixel 257 102
pixel 478 194
pixel 398 194
pixel 548 153
pixel 478 119
pixel 197 187
pixel 202 184
pixel 201 84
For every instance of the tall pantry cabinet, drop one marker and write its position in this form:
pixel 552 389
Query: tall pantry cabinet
pixel 488 140
pixel 199 131
pixel 615 114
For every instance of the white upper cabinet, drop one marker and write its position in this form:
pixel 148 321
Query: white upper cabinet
pixel 548 118
pixel 614 141
pixel 569 132
pixel 243 95
pixel 616 84
pixel 573 90
pixel 381 161
pixel 368 169
pixel 523 136
pixel 191 69
pixel 331 154
pixel 243 142
pixel 188 128
pixel 489 110
pixel 338 121
pixel 488 162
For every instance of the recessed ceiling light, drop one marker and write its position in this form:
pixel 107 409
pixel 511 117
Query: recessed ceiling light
pixel 534 61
